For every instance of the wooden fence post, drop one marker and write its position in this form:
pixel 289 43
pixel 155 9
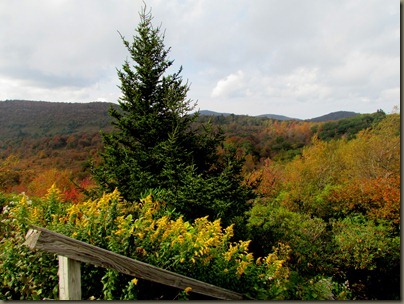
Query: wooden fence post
pixel 69 279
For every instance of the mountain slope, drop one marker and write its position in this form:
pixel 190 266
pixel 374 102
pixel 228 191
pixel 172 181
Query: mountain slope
pixel 270 116
pixel 19 118
pixel 36 119
pixel 277 117
pixel 333 116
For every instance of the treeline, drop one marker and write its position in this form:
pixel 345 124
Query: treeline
pixel 255 139
pixel 36 119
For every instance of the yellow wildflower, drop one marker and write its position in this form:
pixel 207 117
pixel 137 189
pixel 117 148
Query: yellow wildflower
pixel 134 281
pixel 73 210
pixel 53 192
pixel 187 289
pixel 249 257
pixel 241 268
pixel 244 246
pixel 36 215
pixel 229 253
pixel 180 239
pixel 120 231
pixel 229 231
pixel 279 267
pixel 270 258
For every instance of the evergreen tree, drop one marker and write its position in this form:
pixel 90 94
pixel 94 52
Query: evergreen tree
pixel 154 144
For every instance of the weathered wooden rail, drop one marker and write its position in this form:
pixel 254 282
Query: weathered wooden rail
pixel 71 252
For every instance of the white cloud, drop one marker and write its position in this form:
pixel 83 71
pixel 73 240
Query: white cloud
pixel 230 86
pixel 304 84
pixel 355 70
pixel 68 40
pixel 392 95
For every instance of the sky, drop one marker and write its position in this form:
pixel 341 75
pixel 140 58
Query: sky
pixel 298 58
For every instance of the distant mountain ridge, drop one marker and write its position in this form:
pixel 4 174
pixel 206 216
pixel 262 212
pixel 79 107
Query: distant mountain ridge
pixel 22 118
pixel 271 116
pixel 334 116
pixel 328 117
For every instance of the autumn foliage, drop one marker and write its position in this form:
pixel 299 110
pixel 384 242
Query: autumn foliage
pixel 352 187
pixel 274 210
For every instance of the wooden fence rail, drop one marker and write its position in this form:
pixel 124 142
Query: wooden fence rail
pixel 71 252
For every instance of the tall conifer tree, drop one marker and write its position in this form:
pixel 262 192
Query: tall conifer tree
pixel 154 144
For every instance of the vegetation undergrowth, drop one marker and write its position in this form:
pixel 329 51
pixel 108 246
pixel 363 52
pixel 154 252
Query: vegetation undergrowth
pixel 147 231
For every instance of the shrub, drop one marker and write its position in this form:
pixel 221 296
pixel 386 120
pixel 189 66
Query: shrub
pixel 146 231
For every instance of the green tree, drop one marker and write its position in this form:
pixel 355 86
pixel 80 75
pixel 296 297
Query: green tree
pixel 368 252
pixel 155 145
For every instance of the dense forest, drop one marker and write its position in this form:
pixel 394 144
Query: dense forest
pixel 35 153
pixel 272 209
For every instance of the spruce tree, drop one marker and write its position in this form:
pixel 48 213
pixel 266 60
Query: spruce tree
pixel 155 145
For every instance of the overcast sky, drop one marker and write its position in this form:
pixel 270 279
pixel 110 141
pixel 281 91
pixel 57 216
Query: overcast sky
pixel 299 58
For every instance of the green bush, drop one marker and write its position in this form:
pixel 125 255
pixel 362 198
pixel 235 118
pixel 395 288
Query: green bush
pixel 146 231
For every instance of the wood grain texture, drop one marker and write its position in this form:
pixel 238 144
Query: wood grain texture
pixel 49 241
pixel 69 279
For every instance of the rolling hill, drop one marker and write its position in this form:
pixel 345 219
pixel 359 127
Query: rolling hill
pixel 334 116
pixel 35 119
pixel 20 118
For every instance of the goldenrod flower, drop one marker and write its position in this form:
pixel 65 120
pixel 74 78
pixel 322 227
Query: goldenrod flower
pixel 232 250
pixel 73 210
pixel 249 257
pixel 180 239
pixel 241 268
pixel 36 214
pixel 270 258
pixel 119 232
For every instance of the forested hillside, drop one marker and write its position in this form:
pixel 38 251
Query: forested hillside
pixel 272 209
pixel 41 141
pixel 35 119
pixel 334 116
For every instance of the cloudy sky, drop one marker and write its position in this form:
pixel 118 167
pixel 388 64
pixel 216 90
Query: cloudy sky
pixel 299 58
